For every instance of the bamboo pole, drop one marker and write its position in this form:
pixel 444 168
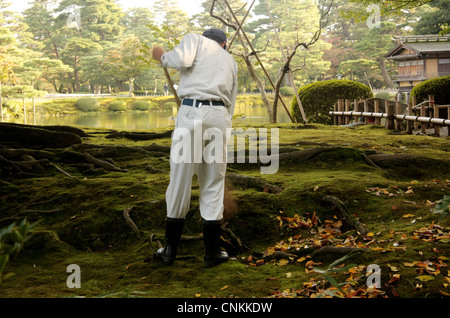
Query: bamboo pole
pixel 174 91
pixel 430 120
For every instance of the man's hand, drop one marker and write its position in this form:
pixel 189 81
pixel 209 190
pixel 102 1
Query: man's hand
pixel 158 53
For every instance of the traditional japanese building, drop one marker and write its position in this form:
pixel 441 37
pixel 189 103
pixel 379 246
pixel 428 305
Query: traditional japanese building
pixel 420 57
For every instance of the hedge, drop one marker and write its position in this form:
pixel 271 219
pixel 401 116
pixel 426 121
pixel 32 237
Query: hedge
pixel 287 91
pixel 142 105
pixel 439 87
pixel 87 104
pixel 318 98
pixel 118 106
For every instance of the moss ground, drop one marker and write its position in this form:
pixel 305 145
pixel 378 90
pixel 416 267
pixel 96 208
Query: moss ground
pixel 395 205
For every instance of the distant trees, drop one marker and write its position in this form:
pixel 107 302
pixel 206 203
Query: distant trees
pixel 94 45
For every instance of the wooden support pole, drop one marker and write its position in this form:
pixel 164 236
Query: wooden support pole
pixel 398 111
pixel 448 117
pixel 390 111
pixel 423 126
pixel 435 109
pixel 347 109
pixel 366 109
pixel 335 108
pixel 409 124
pixel 340 109
pixel 414 103
pixel 377 110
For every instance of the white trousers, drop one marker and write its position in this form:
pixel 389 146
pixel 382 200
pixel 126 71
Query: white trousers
pixel 199 145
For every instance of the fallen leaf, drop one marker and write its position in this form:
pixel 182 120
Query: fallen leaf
pixel 393 268
pixel 301 259
pixel 283 262
pixel 224 287
pixel 394 278
pixel 410 264
pixel 425 278
pixel 405 216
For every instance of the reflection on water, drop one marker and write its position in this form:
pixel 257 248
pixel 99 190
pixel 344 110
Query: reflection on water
pixel 145 120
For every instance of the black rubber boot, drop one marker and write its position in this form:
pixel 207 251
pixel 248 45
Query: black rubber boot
pixel 174 228
pixel 211 236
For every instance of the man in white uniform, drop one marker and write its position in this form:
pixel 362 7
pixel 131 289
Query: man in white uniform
pixel 208 89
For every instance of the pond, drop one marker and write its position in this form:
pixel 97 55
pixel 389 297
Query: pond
pixel 144 120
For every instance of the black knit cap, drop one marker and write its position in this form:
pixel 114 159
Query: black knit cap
pixel 216 34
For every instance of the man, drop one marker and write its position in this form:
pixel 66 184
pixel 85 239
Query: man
pixel 208 89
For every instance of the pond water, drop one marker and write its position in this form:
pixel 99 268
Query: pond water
pixel 144 120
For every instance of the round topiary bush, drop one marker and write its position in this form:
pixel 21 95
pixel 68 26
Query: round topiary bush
pixel 87 104
pixel 141 105
pixel 287 91
pixel 319 98
pixel 438 87
pixel 170 105
pixel 118 106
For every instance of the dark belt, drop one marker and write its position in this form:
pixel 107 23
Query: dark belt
pixel 199 103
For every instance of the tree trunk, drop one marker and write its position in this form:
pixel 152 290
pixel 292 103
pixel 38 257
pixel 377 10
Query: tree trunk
pixel 130 87
pixel 385 74
pixel 76 78
pixel 255 77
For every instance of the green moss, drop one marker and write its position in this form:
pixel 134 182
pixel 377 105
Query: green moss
pixel 88 227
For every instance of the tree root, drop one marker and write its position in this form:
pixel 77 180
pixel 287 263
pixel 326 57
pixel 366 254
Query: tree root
pixel 126 215
pixel 139 135
pixel 37 137
pixel 102 163
pixel 346 214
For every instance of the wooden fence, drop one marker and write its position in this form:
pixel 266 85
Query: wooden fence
pixel 420 118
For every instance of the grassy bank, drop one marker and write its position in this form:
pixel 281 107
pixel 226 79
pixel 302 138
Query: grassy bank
pixel 394 195
pixel 67 106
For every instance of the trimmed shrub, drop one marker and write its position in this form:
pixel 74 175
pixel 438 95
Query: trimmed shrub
pixel 141 105
pixel 287 91
pixel 383 95
pixel 11 106
pixel 87 104
pixel 318 98
pixel 439 87
pixel 170 105
pixel 118 106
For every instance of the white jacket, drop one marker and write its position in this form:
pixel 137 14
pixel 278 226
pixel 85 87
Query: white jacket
pixel 208 72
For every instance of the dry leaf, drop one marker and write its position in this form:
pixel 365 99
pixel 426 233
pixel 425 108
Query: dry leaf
pixel 425 278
